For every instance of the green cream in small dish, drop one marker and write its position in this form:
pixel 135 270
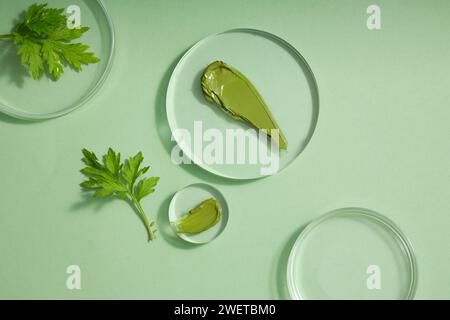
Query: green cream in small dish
pixel 200 218
pixel 230 90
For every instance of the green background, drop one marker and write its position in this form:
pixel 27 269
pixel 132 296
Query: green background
pixel 382 142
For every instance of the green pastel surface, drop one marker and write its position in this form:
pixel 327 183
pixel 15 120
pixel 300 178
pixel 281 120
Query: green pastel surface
pixel 381 142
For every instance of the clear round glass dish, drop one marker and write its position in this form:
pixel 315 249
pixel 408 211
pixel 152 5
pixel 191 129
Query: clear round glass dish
pixel 352 253
pixel 24 98
pixel 282 76
pixel 189 197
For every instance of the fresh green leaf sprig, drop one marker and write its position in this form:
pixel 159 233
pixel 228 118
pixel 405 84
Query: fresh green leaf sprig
pixel 43 42
pixel 113 178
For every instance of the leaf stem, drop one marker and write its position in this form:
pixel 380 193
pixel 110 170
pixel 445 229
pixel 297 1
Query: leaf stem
pixel 144 218
pixel 5 36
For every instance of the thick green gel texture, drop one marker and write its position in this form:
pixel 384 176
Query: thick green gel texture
pixel 204 216
pixel 235 94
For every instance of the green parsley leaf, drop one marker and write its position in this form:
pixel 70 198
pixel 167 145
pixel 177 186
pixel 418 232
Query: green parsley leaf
pixel 111 177
pixel 30 55
pixel 44 42
pixel 131 169
pixel 145 187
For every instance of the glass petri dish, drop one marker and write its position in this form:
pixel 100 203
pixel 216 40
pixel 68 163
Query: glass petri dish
pixel 25 98
pixel 352 253
pixel 186 199
pixel 282 76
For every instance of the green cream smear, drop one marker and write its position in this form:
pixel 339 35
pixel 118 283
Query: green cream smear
pixel 201 218
pixel 234 93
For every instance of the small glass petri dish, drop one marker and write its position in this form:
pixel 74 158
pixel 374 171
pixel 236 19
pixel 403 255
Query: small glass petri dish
pixel 352 253
pixel 189 197
pixel 25 98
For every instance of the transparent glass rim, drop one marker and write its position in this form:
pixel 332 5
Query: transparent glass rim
pixel 404 243
pixel 20 114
